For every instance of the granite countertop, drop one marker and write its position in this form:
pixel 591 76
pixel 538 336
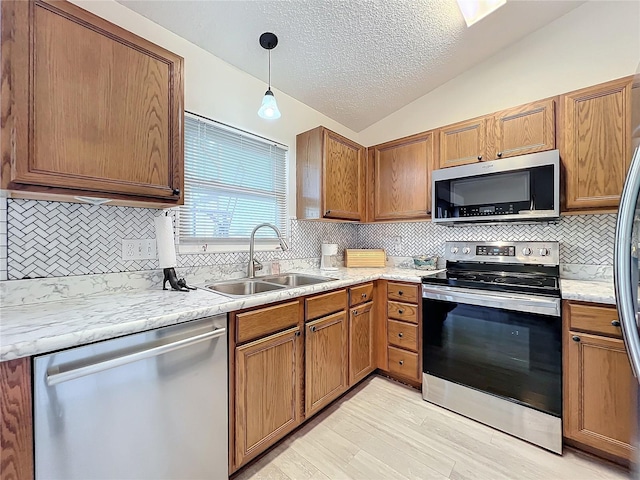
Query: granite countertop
pixel 588 291
pixel 32 329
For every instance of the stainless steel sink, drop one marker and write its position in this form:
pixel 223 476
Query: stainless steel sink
pixel 252 286
pixel 295 279
pixel 243 287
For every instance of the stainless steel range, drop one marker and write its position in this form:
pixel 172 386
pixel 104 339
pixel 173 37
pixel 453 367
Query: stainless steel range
pixel 492 329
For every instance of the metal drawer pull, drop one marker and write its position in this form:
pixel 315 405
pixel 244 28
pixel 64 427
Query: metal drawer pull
pixel 313 329
pixel 400 292
pixel 364 295
pixel 575 338
pixel 401 362
pixel 615 323
pixel 400 335
pixel 355 312
pixel 297 334
pixel 400 311
pixel 57 376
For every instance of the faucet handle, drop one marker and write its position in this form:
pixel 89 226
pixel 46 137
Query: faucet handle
pixel 257 266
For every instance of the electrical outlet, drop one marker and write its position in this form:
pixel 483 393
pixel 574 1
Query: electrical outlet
pixel 395 245
pixel 138 249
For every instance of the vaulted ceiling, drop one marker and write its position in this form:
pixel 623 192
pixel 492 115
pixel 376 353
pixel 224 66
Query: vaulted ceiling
pixel 355 61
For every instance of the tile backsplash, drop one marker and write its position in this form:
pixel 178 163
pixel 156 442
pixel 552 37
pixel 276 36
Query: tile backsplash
pixel 54 239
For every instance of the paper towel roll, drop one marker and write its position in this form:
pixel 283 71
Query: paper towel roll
pixel 164 242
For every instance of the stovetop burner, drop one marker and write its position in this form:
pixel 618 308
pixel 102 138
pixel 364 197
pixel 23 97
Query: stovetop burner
pixel 500 266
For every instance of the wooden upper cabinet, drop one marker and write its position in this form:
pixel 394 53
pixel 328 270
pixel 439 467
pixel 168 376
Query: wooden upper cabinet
pixel 402 179
pixel 528 128
pixel 525 129
pixel 599 394
pixel 330 174
pixel 90 108
pixel 595 148
pixel 463 143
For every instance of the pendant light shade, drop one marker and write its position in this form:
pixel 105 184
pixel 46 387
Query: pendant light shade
pixel 269 108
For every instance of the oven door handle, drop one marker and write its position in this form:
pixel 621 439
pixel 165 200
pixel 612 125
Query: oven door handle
pixel 519 303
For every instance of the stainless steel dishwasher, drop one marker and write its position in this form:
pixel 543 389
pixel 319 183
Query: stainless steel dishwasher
pixel 151 405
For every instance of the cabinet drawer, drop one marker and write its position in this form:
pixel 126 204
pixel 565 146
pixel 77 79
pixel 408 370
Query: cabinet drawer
pixel 402 311
pixel 592 318
pixel 402 292
pixel 360 294
pixel 258 323
pixel 403 335
pixel 321 305
pixel 403 363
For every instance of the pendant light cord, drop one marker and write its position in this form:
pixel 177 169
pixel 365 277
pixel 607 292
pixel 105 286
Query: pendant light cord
pixel 269 69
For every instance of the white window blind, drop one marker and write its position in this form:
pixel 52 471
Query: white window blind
pixel 233 181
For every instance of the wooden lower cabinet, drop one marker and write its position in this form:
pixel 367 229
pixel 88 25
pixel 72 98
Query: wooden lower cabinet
pixel 16 429
pixel 599 387
pixel 361 361
pixel 268 389
pixel 325 361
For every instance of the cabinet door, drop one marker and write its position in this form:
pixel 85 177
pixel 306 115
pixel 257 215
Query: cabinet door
pixel 463 143
pixel 403 178
pixel 596 147
pixel 525 129
pixel 360 342
pixel 343 174
pixel 93 107
pixel 598 397
pixel 326 361
pixel 268 392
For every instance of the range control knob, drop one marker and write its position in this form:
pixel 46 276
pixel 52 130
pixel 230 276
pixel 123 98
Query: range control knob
pixel 466 250
pixel 544 252
pixel 526 251
pixel 454 250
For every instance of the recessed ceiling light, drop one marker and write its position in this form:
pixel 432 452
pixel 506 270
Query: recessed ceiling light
pixel 474 10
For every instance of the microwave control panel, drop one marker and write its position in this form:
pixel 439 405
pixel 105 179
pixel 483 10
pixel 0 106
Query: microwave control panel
pixel 477 211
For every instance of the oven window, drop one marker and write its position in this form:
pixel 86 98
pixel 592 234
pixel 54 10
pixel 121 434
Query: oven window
pixel 510 354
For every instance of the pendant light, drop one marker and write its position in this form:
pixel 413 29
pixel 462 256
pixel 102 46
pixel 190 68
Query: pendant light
pixel 269 107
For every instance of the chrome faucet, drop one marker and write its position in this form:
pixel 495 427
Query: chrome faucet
pixel 251 272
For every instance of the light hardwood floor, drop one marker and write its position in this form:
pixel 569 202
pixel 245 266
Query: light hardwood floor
pixel 384 430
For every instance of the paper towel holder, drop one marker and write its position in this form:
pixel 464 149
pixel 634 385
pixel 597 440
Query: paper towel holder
pixel 164 235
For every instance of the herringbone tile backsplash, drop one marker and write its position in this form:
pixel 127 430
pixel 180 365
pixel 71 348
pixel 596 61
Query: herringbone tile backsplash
pixel 52 239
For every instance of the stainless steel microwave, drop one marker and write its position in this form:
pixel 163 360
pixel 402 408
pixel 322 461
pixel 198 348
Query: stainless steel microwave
pixel 522 188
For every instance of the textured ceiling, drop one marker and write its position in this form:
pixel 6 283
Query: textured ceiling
pixel 356 61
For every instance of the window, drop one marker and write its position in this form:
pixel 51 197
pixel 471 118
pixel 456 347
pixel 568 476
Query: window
pixel 233 181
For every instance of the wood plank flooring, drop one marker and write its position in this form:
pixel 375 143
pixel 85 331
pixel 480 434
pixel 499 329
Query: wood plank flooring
pixel 384 430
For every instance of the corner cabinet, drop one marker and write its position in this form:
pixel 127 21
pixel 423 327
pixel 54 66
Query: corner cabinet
pixel 596 147
pixel 599 387
pixel 330 172
pixel 88 108
pixel 402 178
pixel 528 128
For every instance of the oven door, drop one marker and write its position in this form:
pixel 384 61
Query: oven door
pixel 507 345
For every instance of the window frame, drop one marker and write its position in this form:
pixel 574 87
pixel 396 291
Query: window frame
pixel 234 244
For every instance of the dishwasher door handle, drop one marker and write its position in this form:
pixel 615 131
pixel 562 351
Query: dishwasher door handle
pixel 55 376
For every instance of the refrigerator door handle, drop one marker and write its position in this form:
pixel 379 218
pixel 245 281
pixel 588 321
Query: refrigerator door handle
pixel 59 374
pixel 625 291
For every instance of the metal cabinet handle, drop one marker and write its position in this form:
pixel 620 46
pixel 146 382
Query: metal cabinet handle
pixel 401 362
pixel 400 292
pixel 364 295
pixel 313 329
pixel 355 312
pixel 575 338
pixel 401 335
pixel 428 212
pixel 176 191
pixel 297 334
pixel 400 311
pixel 327 212
pixel 615 323
pixel 499 154
pixel 480 157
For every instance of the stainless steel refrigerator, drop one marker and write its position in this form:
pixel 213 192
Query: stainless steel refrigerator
pixel 627 275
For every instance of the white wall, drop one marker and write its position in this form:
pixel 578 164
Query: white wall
pixel 217 90
pixel 596 42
